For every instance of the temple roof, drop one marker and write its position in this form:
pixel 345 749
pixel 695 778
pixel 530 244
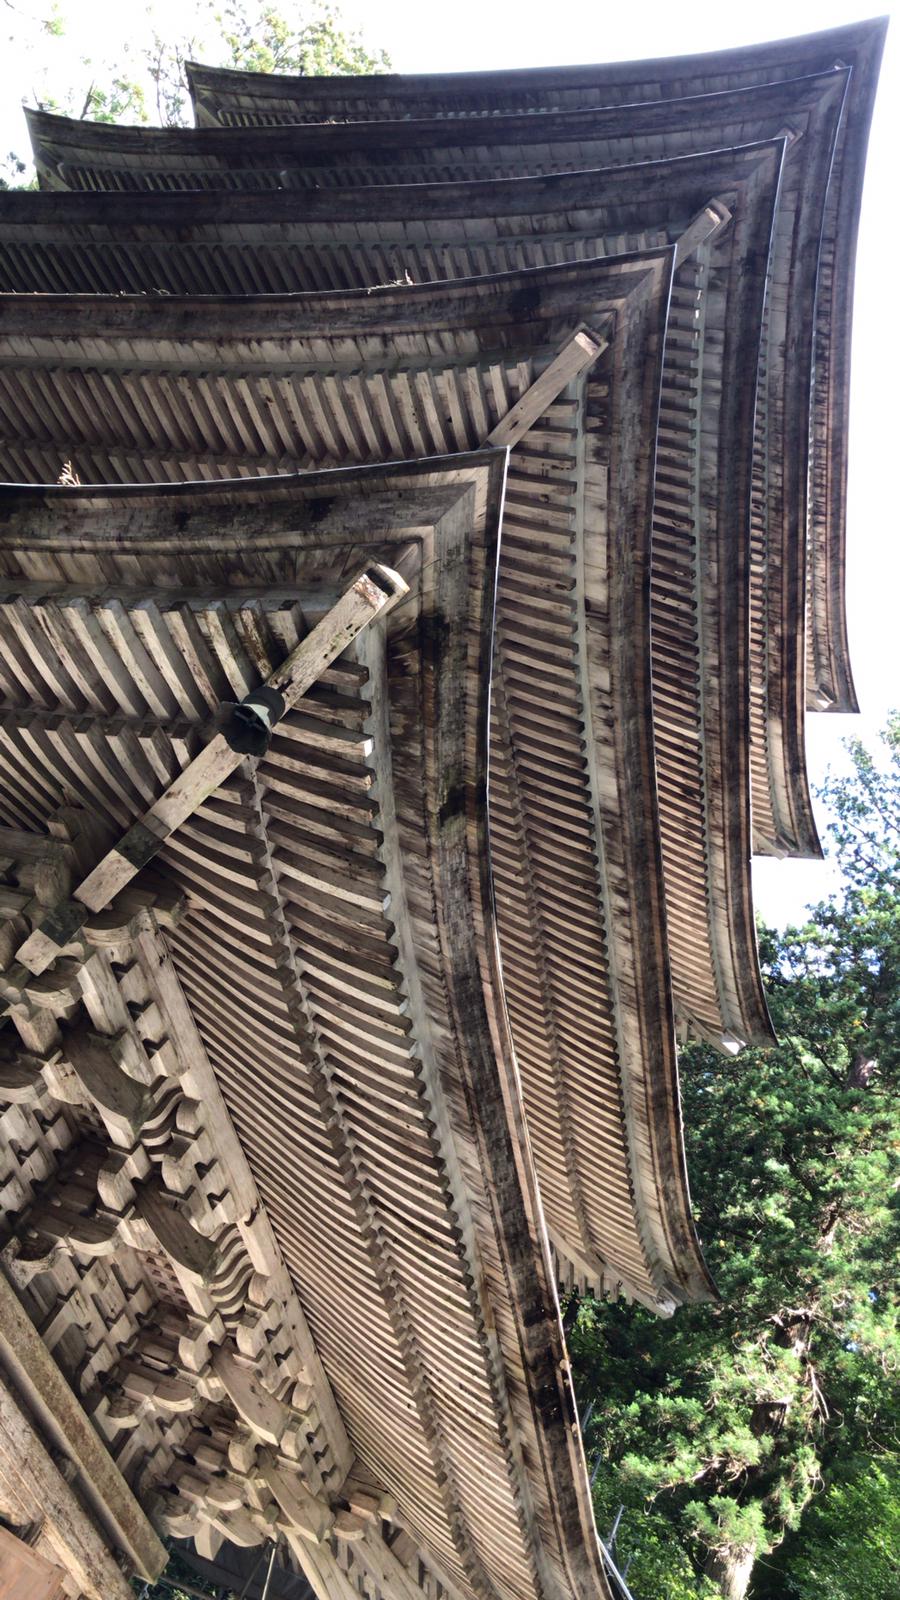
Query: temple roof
pixel 260 383
pixel 724 98
pixel 444 543
pixel 350 237
pixel 223 97
pixel 327 967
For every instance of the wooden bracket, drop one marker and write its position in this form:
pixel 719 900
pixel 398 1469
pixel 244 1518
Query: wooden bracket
pixel 703 226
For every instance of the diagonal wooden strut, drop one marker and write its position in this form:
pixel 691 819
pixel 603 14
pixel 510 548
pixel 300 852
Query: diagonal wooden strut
pixel 582 350
pixel 370 595
pixel 701 227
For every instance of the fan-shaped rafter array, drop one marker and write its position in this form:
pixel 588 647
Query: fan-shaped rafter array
pixel 311 1162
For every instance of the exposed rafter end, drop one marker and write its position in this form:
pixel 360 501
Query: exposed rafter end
pixel 703 227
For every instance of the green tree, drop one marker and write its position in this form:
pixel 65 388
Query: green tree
pixel 731 1427
pixel 148 81
pixel 254 37
pixel 848 1544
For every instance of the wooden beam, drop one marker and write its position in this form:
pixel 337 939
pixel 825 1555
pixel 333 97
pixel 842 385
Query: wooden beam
pixel 701 228
pixel 81 1549
pixel 370 595
pixel 582 350
pixel 33 1370
pixel 311 1517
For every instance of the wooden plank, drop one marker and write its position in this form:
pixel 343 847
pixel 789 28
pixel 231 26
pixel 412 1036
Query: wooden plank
pixel 26 1575
pixel 31 1366
pixel 582 350
pixel 81 1547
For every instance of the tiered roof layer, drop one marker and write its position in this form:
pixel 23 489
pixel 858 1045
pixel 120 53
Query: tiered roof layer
pixel 309 1191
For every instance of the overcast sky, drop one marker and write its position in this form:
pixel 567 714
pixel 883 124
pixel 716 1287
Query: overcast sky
pixel 471 35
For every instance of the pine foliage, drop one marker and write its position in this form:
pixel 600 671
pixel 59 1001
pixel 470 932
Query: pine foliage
pixel 746 1438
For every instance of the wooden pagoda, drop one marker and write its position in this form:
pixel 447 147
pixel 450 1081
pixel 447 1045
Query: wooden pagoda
pixel 423 538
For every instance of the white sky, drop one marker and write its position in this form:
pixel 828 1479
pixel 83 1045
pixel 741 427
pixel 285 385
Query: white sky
pixel 471 35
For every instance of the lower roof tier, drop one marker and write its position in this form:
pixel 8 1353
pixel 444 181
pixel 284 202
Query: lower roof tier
pixel 260 1009
pixel 579 510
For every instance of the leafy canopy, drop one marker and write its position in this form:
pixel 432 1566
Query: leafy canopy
pixel 147 81
pixel 743 1437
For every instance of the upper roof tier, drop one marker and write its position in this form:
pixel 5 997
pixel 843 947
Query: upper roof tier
pixel 717 208
pixel 633 112
pixel 251 99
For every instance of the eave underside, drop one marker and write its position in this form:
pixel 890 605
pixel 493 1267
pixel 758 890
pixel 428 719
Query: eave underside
pixel 612 1057
pixel 293 969
pixel 653 92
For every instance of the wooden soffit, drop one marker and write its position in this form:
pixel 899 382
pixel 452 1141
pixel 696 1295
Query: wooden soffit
pixel 338 959
pixel 252 243
pixel 223 98
pixel 590 529
pixel 76 155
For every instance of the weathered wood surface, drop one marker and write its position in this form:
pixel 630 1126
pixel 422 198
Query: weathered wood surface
pixel 335 939
pixel 29 1367
pixel 223 97
pixel 27 1465
pixel 119 1304
pixel 229 242
pixel 250 244
pixel 339 153
pixel 71 154
pixel 810 107
pixel 338 958
pixel 250 99
pixel 365 599
pixel 448 404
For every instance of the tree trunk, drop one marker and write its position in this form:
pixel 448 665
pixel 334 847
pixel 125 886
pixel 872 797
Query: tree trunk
pixel 862 1070
pixel 731 1570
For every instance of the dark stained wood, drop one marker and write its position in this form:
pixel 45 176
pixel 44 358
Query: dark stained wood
pixel 650 91
pixel 246 99
pixel 254 243
pixel 249 99
pixel 75 155
pixel 810 107
pixel 314 1085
